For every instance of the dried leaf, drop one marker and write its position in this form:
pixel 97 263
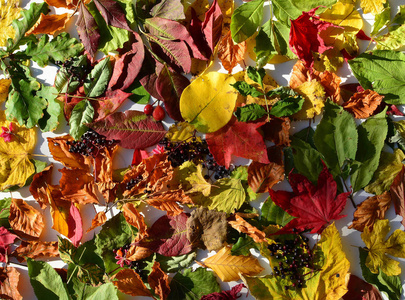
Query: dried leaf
pixel 238 223
pixel 134 218
pixel 49 24
pixel 277 130
pixel 36 249
pixel 229 53
pixel 359 289
pixel 9 278
pixel 4 88
pixel 167 201
pixel 129 282
pixel 364 104
pixel 159 281
pixel 39 186
pixel 25 219
pixel 398 194
pixel 99 219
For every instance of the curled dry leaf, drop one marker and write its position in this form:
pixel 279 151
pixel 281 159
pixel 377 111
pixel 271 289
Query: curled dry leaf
pixel 238 223
pixel 49 24
pixel 229 53
pixel 137 253
pixel 134 218
pixel 99 219
pixel 167 201
pixel 25 219
pixel 39 186
pixel 159 281
pixel 364 104
pixel 35 249
pixel 63 3
pixel 9 278
pixel 397 191
pixel 129 282
pixel 369 210
pixel 277 130
pixel 77 186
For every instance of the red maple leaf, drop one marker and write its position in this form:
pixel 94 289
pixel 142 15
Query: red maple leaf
pixel 240 139
pixel 305 36
pixel 313 206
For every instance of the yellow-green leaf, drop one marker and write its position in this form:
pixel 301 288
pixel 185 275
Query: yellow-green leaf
pixel 372 6
pixel 393 40
pixel 378 248
pixel 181 131
pixel 9 11
pixel 314 95
pixel 198 183
pixel 208 102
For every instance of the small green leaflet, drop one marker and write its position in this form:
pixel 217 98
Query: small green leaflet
pixel 245 89
pixel 250 112
pixel 96 82
pixel 245 20
pixel 287 106
pixel 273 214
pixel 82 114
pixel 139 94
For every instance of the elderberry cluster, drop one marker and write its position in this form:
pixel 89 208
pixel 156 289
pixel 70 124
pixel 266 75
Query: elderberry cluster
pixel 295 258
pixel 90 144
pixel 216 170
pixel 132 182
pixel 72 67
pixel 138 266
pixel 179 152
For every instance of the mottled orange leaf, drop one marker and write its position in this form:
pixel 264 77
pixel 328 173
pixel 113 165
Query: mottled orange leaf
pixel 25 220
pixel 9 278
pixel 35 249
pixel 99 219
pixel 238 223
pixel 229 53
pixel 364 104
pixel 167 201
pixel 39 186
pixel 49 24
pixel 159 281
pixel 369 210
pixel 77 186
pixel 137 253
pixel 129 282
pixel 134 218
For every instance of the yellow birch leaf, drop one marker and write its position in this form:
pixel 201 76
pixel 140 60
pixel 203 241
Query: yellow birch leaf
pixel 198 183
pixel 372 6
pixel 9 11
pixel 49 24
pixel 15 164
pixel 4 87
pixel 314 95
pixel 378 248
pixel 228 266
pixel 181 131
pixel 208 102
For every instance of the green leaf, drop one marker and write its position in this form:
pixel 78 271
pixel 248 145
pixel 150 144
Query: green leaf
pixel 393 40
pixel 21 26
pixel 257 75
pixel 67 251
pixel 243 246
pixel 273 214
pixel 191 285
pixel 392 285
pixel 265 48
pixel 96 82
pixel 65 82
pixel 250 112
pixel 382 71
pixel 82 114
pixel 372 134
pixel 245 89
pixel 287 106
pixel 400 16
pixel 292 9
pixel 46 281
pixel 5 212
pixel 382 19
pixel 172 264
pixel 241 173
pixel 50 120
pixel 23 103
pixel 60 48
pixel 139 94
pixel 336 137
pixel 245 20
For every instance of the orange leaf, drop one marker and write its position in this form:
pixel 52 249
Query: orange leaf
pixel 364 104
pixel 238 223
pixel 77 186
pixel 49 24
pixel 397 191
pixel 103 172
pixel 9 278
pixel 229 53
pixel 25 220
pixel 39 186
pixel 159 281
pixel 370 210
pixel 59 210
pixel 62 3
pixel 36 249
pixel 137 253
pixel 99 219
pixel 129 282
pixel 167 201
pixel 135 219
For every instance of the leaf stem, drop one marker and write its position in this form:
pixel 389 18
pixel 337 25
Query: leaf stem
pixel 351 194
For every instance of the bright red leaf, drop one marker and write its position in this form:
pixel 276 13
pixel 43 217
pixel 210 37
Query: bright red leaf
pixel 108 104
pixel 75 225
pixel 212 25
pixel 6 238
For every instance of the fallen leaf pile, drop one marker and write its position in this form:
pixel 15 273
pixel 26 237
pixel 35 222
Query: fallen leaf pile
pixel 191 127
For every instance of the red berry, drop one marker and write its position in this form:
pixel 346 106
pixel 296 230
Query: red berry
pixel 159 113
pixel 148 109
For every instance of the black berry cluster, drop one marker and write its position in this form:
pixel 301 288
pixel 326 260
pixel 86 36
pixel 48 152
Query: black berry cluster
pixel 90 144
pixel 215 170
pixel 74 68
pixel 132 182
pixel 191 150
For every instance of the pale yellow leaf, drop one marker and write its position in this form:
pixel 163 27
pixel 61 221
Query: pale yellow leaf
pixel 372 6
pixel 9 11
pixel 181 131
pixel 198 183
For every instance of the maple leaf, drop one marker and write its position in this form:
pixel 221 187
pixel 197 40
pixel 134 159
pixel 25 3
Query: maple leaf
pixel 305 36
pixel 6 238
pixel 314 95
pixel 240 139
pixel 9 11
pixel 9 278
pixel 364 104
pixel 25 219
pixel 35 249
pixel 378 249
pixel 325 204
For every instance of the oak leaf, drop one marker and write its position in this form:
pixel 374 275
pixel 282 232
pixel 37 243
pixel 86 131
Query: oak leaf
pixel 134 218
pixel 378 248
pixel 159 281
pixel 9 278
pixel 397 191
pixel 129 282
pixel 49 24
pixel 25 219
pixel 371 209
pixel 229 53
pixel 241 225
pixel 168 201
pixel 364 104
pixel 99 219
pixel 35 249
pixel 228 266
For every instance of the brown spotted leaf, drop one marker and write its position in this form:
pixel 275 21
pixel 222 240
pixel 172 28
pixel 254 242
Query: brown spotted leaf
pixel 129 282
pixel 36 249
pixel 363 104
pixel 25 219
pixel 159 281
pixel 9 278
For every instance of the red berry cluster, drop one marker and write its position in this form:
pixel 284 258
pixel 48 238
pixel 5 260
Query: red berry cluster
pixel 158 113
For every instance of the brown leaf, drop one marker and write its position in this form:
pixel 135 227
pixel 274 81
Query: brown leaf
pixel 129 282
pixel 62 3
pixel 39 186
pixel 229 53
pixel 397 191
pixel 364 104
pixel 35 249
pixel 358 289
pixel 167 201
pixel 238 223
pixel 159 281
pixel 25 220
pixel 9 278
pixel 49 24
pixel 369 210
pixel 277 130
pixel 135 253
pixel 99 219
pixel 77 186
pixel 207 229
pixel 103 172
pixel 134 218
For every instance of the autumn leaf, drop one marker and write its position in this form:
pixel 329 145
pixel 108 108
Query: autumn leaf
pixel 378 248
pixel 398 194
pixel 314 95
pixel 99 219
pixel 25 219
pixel 231 294
pixel 9 279
pixel 198 183
pixel 134 218
pixel 239 139
pixel 129 282
pixel 277 130
pixel 168 201
pixel 75 225
pixel 180 131
pixel 364 104
pixel 159 281
pixel 36 249
pixel 372 6
pixel 325 203
pixel 9 11
pixel 4 89
pixel 370 210
pixel 49 24
pixel 229 53
pixel 241 225
pixel 87 29
pixel 208 102
pixel 6 238
pixel 360 289
pixel 112 13
pixel 228 266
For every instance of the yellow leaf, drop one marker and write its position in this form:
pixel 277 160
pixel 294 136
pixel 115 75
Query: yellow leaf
pixel 208 102
pixel 15 164
pixel 372 6
pixel 49 24
pixel 9 11
pixel 200 7
pixel 330 60
pixel 227 7
pixel 198 183
pixel 228 266
pixel 4 87
pixel 181 131
pixel 378 248
pixel 314 95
